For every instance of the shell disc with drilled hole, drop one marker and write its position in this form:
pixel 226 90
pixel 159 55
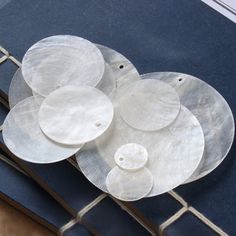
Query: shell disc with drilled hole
pixel 24 138
pixel 131 156
pixel 75 115
pixel 129 186
pixel 148 104
pixel 213 113
pixel 173 152
pixel 120 69
pixel 19 90
pixel 62 60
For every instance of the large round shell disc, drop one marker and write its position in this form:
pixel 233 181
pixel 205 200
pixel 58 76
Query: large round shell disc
pixel 62 60
pixel 75 115
pixel 213 113
pixel 129 186
pixel 173 152
pixel 122 68
pixel 18 90
pixel 23 136
pixel 148 104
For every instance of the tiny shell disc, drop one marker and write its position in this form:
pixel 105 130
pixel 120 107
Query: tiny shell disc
pixel 148 104
pixel 173 152
pixel 62 60
pixel 75 115
pixel 131 156
pixel 129 186
pixel 23 136
pixel 213 113
pixel 18 90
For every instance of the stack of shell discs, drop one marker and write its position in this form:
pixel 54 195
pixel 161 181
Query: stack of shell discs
pixel 133 135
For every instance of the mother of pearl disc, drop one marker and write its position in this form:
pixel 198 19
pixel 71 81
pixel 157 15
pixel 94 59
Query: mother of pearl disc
pixel 173 152
pixel 19 90
pixel 129 186
pixel 119 70
pixel 213 113
pixel 148 104
pixel 62 60
pixel 75 115
pixel 131 156
pixel 23 136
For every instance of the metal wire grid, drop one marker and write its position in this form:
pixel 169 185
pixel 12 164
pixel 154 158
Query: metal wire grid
pixel 153 230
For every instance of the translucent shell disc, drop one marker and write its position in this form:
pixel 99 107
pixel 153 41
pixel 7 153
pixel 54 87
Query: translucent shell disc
pixel 24 138
pixel 148 104
pixel 62 60
pixel 213 113
pixel 75 115
pixel 129 186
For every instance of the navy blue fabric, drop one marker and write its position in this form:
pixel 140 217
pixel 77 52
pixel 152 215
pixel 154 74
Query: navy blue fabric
pixel 77 230
pixel 24 191
pixel 157 209
pixel 7 70
pixel 188 225
pixel 156 35
pixel 65 182
pixel 3 114
pixel 109 219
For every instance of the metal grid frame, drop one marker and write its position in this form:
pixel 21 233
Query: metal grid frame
pixel 153 230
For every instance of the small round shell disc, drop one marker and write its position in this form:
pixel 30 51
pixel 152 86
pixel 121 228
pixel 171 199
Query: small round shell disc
pixel 148 104
pixel 23 136
pixel 129 186
pixel 173 152
pixel 62 60
pixel 213 113
pixel 131 156
pixel 19 90
pixel 75 115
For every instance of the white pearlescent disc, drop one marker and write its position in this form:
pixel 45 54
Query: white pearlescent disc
pixel 108 82
pixel 131 156
pixel 19 90
pixel 213 113
pixel 148 104
pixel 129 186
pixel 173 152
pixel 62 60
pixel 123 70
pixel 75 115
pixel 24 138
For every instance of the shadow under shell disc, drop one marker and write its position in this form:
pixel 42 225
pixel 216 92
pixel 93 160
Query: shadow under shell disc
pixel 24 138
pixel 211 110
pixel 75 115
pixel 62 60
pixel 173 152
